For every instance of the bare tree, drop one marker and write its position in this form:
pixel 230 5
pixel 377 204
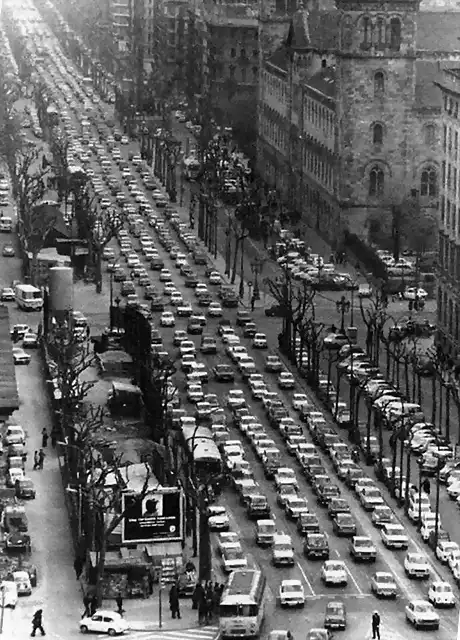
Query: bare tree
pixel 11 139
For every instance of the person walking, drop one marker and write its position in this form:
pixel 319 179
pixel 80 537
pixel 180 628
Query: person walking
pixel 375 626
pixel 198 596
pixel 174 601
pixel 119 601
pixel 41 458
pixel 53 438
pixel 36 461
pixel 253 303
pixel 93 604
pixel 37 623
pixel 44 438
pixel 87 605
pixel 78 566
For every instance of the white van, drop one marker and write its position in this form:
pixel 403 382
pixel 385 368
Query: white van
pixel 6 224
pixel 28 297
pixel 282 550
pixel 10 593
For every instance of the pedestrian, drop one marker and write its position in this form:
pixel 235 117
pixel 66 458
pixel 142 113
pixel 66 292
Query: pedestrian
pixel 197 596
pixel 209 602
pixel 426 486
pixel 78 566
pixel 53 438
pixel 119 601
pixel 93 604
pixel 41 458
pixel 36 461
pixel 375 626
pixel 174 601
pixel 216 598
pixel 253 302
pixel 37 623
pixel 44 438
pixel 87 605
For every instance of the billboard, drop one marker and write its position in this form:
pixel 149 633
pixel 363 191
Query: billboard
pixel 156 517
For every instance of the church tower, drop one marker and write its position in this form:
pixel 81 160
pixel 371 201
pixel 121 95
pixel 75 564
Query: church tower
pixel 375 80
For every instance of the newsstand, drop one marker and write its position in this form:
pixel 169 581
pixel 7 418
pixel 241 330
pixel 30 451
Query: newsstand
pixel 126 572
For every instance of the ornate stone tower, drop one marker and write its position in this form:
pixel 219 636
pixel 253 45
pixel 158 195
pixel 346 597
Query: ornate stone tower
pixel 274 20
pixel 375 96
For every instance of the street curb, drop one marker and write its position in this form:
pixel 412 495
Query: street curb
pixel 149 627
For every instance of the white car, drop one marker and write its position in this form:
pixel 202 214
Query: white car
pixel 30 340
pixel 187 346
pixel 334 572
pixel 228 540
pixel 22 580
pixel 10 593
pixel 285 476
pixel 453 559
pixel 394 536
pixel 454 489
pixel 444 548
pixel 104 621
pixel 291 593
pixel 215 278
pixel 286 380
pixel 218 519
pixel 258 388
pixel 299 401
pixel 440 594
pixel 20 356
pixel 416 566
pixel 167 319
pixel 176 299
pixel 235 398
pixel 260 341
pixel 421 615
pixel 233 559
pixel 215 310
pixel 383 584
pixel 195 393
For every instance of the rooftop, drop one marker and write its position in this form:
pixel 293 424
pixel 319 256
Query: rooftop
pixel 323 82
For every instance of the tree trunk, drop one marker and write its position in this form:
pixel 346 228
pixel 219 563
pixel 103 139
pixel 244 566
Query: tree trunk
pixel 34 269
pixel 235 260
pixel 433 398
pixel 100 568
pixel 448 397
pixel 98 268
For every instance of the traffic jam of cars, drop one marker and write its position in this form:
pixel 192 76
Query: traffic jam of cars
pixel 291 472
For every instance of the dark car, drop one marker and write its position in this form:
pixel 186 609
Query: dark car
pixel 194 328
pixel 335 616
pixel 344 525
pixel 337 505
pixel 258 507
pixel 230 300
pixel 308 523
pixel 127 287
pixel 316 546
pixel 157 264
pixel 249 330
pixel 157 304
pixel 191 281
pixel 24 489
pixel 224 373
pixel 276 311
pixel 327 492
pixel 205 299
pixel 243 317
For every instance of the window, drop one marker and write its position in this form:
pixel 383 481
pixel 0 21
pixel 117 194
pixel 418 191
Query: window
pixel 380 32
pixel 243 53
pixel 254 74
pixel 428 182
pixel 430 134
pixel 255 53
pixel 395 34
pixel 232 71
pixel 367 29
pixel 233 53
pixel 243 75
pixel 377 134
pixel 379 83
pixel 376 181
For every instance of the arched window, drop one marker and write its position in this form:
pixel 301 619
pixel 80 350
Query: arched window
pixel 367 30
pixel 430 134
pixel 377 134
pixel 395 34
pixel 379 83
pixel 380 33
pixel 376 181
pixel 429 182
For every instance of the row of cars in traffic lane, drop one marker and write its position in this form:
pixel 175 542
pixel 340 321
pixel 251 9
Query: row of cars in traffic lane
pixel 139 261
pixel 308 450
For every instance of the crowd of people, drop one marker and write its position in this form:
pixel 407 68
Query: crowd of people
pixel 205 599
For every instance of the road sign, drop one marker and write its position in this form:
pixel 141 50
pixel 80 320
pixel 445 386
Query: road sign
pixel 250 283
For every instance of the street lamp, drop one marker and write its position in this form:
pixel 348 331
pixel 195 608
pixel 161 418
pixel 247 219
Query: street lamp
pixel 343 307
pixel 256 268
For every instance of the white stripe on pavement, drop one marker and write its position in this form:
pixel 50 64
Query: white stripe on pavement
pixel 206 633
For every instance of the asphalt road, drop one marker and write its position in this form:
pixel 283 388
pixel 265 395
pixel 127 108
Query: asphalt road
pixel 360 603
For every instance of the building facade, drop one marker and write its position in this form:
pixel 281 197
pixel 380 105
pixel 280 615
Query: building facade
pixel 349 114
pixel 449 218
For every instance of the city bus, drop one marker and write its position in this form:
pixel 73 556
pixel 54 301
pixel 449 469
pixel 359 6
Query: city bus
pixel 242 605
pixel 28 297
pixel 201 453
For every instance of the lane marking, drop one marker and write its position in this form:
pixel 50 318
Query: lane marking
pixel 358 588
pixel 307 581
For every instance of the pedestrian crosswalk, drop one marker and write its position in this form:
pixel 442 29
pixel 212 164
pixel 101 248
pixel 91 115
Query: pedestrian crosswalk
pixel 197 633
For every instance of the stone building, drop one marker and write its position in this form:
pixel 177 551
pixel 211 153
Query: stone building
pixel 348 126
pixel 165 46
pixel 449 216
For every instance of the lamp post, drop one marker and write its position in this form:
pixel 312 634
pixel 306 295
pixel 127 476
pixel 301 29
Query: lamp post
pixel 343 307
pixel 256 268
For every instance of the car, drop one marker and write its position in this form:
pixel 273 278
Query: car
pixel 291 593
pixel 22 580
pixel 362 548
pixel 8 251
pixel 30 341
pixel 394 536
pixel 416 566
pixel 24 488
pixel 316 546
pixel 235 398
pixel 440 594
pixel 422 615
pixel 7 294
pixel 218 519
pixel 335 616
pixel 444 549
pixel 233 559
pixel 226 540
pixel 215 310
pixel 413 293
pixel 223 373
pixel 273 364
pixel 381 515
pixel 167 319
pixel 335 341
pixel 19 330
pixel 299 401
pixel 364 291
pixel 370 497
pixel 383 585
pixel 334 572
pixel 9 593
pixel 285 476
pixel 307 522
pixel 286 380
pixel 260 341
pixel 294 506
pixel 104 621
pixel 20 356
